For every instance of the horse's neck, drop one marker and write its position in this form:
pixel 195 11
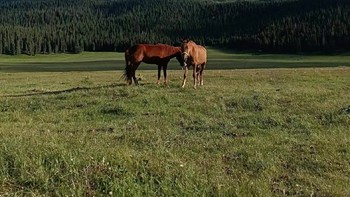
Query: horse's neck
pixel 191 49
pixel 174 52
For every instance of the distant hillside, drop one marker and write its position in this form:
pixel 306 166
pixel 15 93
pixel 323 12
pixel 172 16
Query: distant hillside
pixel 59 26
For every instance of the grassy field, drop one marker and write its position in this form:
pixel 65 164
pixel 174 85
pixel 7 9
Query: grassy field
pixel 217 59
pixel 251 132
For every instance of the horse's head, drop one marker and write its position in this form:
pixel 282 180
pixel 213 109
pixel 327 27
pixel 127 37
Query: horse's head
pixel 185 48
pixel 178 55
pixel 179 58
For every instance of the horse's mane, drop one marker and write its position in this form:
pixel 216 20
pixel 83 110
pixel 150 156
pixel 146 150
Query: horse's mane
pixel 170 49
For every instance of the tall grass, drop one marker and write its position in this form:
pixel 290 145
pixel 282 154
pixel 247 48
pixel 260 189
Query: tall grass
pixel 244 133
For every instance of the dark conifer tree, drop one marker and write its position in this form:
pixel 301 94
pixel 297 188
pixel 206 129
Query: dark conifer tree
pixel 74 26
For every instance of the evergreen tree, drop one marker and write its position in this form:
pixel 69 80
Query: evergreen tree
pixel 74 26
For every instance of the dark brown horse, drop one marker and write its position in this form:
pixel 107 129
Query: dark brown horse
pixel 159 54
pixel 196 56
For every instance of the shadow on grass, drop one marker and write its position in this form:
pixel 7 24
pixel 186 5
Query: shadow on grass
pixel 75 89
pixel 226 50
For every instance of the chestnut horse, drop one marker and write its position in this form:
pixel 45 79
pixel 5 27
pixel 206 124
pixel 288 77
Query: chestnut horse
pixel 196 56
pixel 159 54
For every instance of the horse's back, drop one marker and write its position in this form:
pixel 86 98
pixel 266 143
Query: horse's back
pixel 152 54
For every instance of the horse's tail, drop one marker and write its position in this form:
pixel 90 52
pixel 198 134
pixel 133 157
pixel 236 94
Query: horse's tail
pixel 128 68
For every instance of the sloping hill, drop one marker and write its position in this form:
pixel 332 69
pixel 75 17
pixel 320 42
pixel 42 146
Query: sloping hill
pixel 55 26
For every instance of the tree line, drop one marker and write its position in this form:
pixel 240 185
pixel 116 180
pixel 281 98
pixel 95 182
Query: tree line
pixel 73 26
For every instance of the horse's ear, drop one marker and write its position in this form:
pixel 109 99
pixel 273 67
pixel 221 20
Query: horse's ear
pixel 185 40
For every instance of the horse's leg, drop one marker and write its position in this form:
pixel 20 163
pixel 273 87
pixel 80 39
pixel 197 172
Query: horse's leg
pixel 135 66
pixel 128 73
pixel 194 76
pixel 165 66
pixel 159 68
pixel 134 77
pixel 202 74
pixel 197 75
pixel 185 75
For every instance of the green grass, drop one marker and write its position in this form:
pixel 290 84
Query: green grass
pixel 252 132
pixel 217 59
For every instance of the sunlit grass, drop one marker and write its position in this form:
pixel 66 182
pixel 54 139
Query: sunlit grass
pixel 251 132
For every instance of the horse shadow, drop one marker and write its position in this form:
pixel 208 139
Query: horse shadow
pixel 70 90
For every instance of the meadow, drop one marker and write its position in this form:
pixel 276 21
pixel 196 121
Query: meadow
pixel 247 132
pixel 218 59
